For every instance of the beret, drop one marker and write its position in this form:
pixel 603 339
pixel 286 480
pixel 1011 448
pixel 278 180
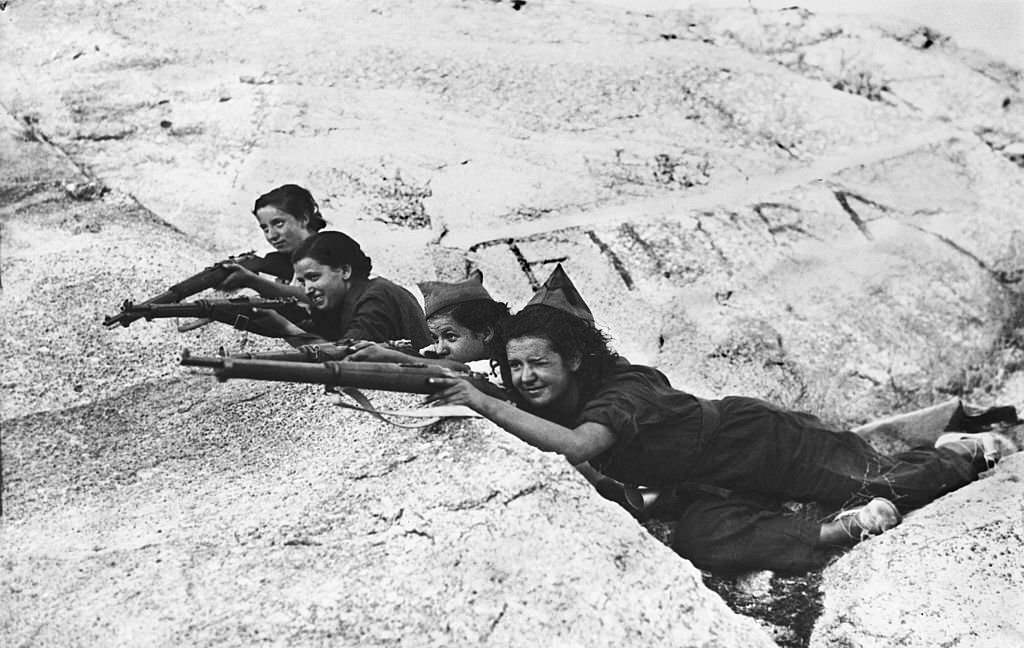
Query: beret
pixel 438 295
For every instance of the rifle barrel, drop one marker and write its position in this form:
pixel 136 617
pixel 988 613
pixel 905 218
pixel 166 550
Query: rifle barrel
pixel 277 356
pixel 306 353
pixel 208 307
pixel 385 376
pixel 189 360
pixel 124 318
pixel 206 278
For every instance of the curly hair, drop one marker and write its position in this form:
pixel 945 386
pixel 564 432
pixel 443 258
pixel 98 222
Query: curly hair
pixel 481 316
pixel 295 200
pixel 335 249
pixel 570 337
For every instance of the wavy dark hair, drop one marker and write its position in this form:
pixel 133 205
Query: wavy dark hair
pixel 570 337
pixel 295 200
pixel 481 316
pixel 335 249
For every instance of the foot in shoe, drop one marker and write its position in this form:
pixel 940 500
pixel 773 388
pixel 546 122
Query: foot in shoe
pixel 875 517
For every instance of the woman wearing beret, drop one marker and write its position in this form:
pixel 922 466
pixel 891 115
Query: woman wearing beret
pixel 462 319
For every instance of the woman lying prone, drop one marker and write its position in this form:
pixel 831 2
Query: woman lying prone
pixel 736 457
pixel 345 303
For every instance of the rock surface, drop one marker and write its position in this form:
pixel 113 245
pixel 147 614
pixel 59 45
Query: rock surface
pixel 951 574
pixel 147 507
pixel 818 210
pixel 169 516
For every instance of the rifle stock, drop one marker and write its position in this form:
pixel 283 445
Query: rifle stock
pixel 385 376
pixel 207 278
pixel 236 311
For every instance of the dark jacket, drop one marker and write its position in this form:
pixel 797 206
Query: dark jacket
pixel 376 310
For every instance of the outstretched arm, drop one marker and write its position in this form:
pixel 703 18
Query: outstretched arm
pixel 271 324
pixel 272 289
pixel 241 277
pixel 366 351
pixel 577 444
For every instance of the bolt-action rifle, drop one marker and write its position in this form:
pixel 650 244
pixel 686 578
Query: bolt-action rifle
pixel 236 311
pixel 272 264
pixel 305 353
pixel 407 377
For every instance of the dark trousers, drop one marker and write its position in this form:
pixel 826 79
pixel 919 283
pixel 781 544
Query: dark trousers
pixel 766 455
pixel 735 533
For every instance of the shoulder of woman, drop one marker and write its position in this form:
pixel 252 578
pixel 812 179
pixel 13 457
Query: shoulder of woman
pixel 626 378
pixel 380 288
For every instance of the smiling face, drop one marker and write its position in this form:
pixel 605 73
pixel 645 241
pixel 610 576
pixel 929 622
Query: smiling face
pixel 541 376
pixel 454 341
pixel 325 286
pixel 281 229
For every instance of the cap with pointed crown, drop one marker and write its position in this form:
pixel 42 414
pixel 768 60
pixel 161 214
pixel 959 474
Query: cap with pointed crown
pixel 559 292
pixel 438 295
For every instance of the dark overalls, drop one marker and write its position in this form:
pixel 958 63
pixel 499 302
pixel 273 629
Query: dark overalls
pixel 736 460
pixel 765 456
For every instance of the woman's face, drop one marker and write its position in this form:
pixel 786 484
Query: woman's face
pixel 325 286
pixel 541 376
pixel 454 341
pixel 281 229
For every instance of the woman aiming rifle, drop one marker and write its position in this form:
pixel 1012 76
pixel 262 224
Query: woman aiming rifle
pixel 737 456
pixel 346 303
pixel 288 215
pixel 464 320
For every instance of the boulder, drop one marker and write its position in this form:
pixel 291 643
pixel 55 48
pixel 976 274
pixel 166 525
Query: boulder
pixel 818 210
pixel 184 512
pixel 951 574
pixel 825 296
pixel 144 505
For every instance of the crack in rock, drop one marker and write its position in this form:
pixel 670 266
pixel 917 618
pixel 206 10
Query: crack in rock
pixel 389 468
pixel 1002 277
pixel 468 504
pixel 523 492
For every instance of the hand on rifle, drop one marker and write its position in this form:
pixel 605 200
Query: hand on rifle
pixel 458 390
pixel 366 351
pixel 240 277
pixel 271 324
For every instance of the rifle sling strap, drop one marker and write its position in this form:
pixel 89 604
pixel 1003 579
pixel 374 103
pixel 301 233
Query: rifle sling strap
pixel 366 406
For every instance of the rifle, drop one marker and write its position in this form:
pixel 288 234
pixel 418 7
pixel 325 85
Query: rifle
pixel 273 264
pixel 237 311
pixel 386 376
pixel 305 353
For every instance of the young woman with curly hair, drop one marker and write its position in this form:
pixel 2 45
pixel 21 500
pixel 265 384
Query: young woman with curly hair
pixel 737 457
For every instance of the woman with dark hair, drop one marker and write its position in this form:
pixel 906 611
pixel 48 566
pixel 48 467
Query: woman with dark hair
pixel 288 215
pixel 462 319
pixel 738 457
pixel 334 274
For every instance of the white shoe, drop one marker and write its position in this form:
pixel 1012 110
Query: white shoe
pixel 990 445
pixel 875 517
